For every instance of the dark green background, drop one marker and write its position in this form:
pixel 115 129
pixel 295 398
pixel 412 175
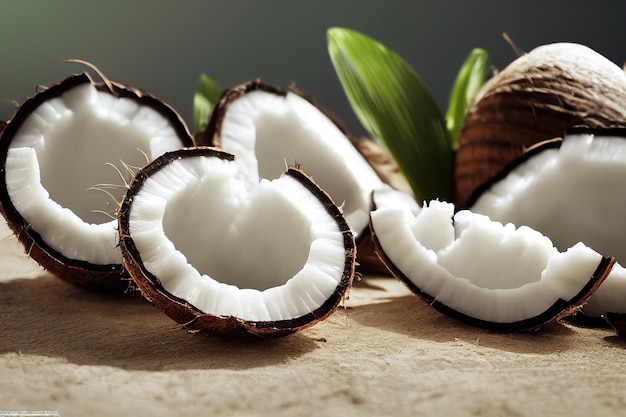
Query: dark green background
pixel 162 46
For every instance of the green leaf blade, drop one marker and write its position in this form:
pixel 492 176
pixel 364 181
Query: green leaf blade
pixel 204 100
pixel 394 105
pixel 468 83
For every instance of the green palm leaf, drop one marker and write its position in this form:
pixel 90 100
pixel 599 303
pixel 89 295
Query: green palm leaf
pixel 203 102
pixel 470 79
pixel 396 108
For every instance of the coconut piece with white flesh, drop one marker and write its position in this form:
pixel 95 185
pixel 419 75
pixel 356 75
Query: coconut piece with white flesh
pixel 570 190
pixel 217 249
pixel 482 272
pixel 268 128
pixel 65 155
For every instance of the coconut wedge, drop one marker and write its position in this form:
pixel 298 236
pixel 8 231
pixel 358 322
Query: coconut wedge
pixel 269 128
pixel 482 272
pixel 570 190
pixel 64 158
pixel 214 248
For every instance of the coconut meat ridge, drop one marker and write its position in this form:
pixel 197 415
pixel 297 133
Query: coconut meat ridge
pixel 572 193
pixel 260 252
pixel 58 170
pixel 268 131
pixel 482 269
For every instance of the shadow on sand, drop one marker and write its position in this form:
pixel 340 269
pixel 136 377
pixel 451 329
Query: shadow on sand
pixel 45 316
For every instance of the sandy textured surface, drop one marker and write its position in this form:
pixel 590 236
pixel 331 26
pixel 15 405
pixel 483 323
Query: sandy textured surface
pixel 383 353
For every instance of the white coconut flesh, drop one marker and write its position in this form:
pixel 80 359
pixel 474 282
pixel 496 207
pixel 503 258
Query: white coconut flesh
pixel 58 168
pixel 610 296
pixel 482 271
pixel 268 131
pixel 572 193
pixel 229 246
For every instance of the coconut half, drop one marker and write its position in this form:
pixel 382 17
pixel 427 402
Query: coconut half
pixel 214 248
pixel 570 190
pixel 482 272
pixel 64 158
pixel 269 128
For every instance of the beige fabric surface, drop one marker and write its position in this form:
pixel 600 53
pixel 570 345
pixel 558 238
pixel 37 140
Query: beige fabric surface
pixel 383 353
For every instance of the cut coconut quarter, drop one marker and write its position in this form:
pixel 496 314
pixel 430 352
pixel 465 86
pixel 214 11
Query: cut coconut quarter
pixel 570 190
pixel 482 272
pixel 268 128
pixel 215 249
pixel 66 154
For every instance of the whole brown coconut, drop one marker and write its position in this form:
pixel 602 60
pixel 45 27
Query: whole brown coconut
pixel 538 97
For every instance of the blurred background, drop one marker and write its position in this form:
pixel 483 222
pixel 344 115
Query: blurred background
pixel 162 46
